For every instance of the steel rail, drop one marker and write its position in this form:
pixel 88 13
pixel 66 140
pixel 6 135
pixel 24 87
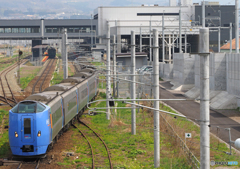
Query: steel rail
pixel 93 164
pixel 52 61
pixel 110 163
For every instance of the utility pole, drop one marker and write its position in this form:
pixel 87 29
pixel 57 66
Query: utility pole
pixel 219 38
pixel 180 31
pixel 108 85
pixel 185 43
pixel 64 54
pixel 203 14
pixel 150 40
pixel 140 39
pixel 91 32
pixel 114 66
pixel 18 71
pixel 230 34
pixel 204 96
pixel 163 36
pixel 156 103
pixel 236 27
pixel 133 90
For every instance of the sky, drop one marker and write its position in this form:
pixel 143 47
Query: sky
pixel 82 6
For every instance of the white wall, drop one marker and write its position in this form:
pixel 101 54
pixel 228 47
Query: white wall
pixel 126 19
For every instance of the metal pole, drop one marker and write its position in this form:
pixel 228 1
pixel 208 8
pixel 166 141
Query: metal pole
pixel 203 14
pixel 156 103
pixel 150 41
pixel 204 95
pixel 64 55
pixel 108 85
pixel 91 32
pixel 230 34
pixel 140 39
pixel 18 72
pixel 219 39
pixel 236 27
pixel 114 66
pixel 180 31
pixel 169 48
pixel 185 43
pixel 173 43
pixel 163 42
pixel 133 85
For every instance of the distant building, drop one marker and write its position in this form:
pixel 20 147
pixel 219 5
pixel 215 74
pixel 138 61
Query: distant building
pixel 226 47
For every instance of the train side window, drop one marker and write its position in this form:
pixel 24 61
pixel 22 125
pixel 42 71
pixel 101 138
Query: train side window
pixel 27 126
pixel 40 107
pixel 15 109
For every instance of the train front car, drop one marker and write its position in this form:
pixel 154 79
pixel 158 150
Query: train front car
pixel 29 128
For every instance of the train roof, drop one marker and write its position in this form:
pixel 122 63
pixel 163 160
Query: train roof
pixel 73 80
pixel 44 96
pixel 59 87
pixel 82 74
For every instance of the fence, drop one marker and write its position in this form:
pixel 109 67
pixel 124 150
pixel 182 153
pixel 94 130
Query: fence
pixel 190 156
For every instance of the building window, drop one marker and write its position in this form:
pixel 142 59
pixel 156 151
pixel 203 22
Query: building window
pixel 48 30
pixel 8 30
pixel 35 30
pixel 28 30
pixel 14 30
pixel 76 30
pixel 1 30
pixel 208 14
pixel 70 30
pixel 21 30
pixel 55 30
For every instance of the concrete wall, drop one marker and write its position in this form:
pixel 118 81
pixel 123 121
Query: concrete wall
pixel 233 74
pixel 218 72
pixel 183 68
pixel 165 70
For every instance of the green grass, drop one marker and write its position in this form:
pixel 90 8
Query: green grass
pixel 4 141
pixel 24 81
pixel 127 150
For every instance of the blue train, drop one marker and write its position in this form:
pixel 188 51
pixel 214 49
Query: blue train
pixel 38 121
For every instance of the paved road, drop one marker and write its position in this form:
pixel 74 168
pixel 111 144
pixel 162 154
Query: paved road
pixel 191 109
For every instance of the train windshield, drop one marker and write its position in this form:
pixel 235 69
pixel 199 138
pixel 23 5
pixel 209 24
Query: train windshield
pixel 28 107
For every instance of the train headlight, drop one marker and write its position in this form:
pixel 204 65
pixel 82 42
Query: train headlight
pixel 16 134
pixel 39 133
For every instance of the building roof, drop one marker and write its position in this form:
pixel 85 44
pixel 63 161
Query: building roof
pixel 227 46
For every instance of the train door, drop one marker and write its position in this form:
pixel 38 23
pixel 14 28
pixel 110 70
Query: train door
pixel 27 129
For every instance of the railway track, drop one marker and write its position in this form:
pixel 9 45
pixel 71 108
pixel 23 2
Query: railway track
pixel 91 147
pixel 24 165
pixel 38 85
pixel 5 86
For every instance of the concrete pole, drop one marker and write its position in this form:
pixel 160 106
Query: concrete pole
pixel 203 14
pixel 230 34
pixel 236 27
pixel 91 32
pixel 173 42
pixel 169 48
pixel 185 43
pixel 133 90
pixel 219 39
pixel 163 43
pixel 64 55
pixel 108 85
pixel 114 66
pixel 180 31
pixel 150 41
pixel 140 39
pixel 204 96
pixel 156 103
pixel 42 28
